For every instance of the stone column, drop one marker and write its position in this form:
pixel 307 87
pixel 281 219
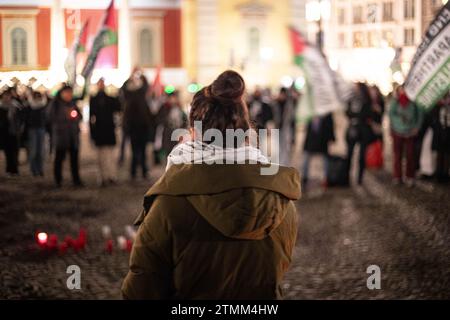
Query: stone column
pixel 124 46
pixel 207 41
pixel 58 37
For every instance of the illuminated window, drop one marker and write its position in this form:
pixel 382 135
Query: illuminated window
pixel 254 42
pixel 341 16
pixel 388 37
pixel 357 14
pixel 373 39
pixel 388 11
pixel 341 40
pixel 408 9
pixel 146 48
pixel 358 39
pixel 19 47
pixel 409 37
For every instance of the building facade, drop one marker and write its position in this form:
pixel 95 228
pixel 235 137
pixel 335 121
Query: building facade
pixel 429 11
pixel 193 40
pixel 373 40
pixel 250 36
pixel 36 35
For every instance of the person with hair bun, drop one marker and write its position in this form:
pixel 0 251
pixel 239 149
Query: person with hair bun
pixel 215 227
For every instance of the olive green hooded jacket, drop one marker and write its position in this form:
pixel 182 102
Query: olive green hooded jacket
pixel 214 232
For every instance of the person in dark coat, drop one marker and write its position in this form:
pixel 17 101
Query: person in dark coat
pixel 102 109
pixel 319 133
pixel 378 108
pixel 260 110
pixel 215 231
pixel 65 118
pixel 441 139
pixel 284 115
pixel 137 120
pixel 36 120
pixel 169 118
pixel 10 130
pixel 359 131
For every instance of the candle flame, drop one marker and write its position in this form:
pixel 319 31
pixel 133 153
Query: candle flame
pixel 42 237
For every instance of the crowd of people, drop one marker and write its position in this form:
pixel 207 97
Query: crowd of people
pixel 29 118
pixel 143 117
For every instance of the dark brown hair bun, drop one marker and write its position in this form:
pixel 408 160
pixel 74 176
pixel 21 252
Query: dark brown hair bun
pixel 220 105
pixel 229 85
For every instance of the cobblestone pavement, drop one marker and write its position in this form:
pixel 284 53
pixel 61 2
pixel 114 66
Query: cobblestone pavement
pixel 342 231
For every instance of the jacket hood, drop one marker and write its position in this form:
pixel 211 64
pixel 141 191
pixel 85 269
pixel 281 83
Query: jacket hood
pixel 235 199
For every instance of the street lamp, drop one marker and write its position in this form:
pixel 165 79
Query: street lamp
pixel 317 11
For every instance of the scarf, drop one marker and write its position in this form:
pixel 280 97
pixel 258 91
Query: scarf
pixel 403 100
pixel 200 152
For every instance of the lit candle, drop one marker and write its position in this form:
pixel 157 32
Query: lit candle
pixel 41 239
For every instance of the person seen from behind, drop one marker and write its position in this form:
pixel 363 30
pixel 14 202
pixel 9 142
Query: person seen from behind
pixel 405 119
pixel 36 120
pixel 210 230
pixel 102 108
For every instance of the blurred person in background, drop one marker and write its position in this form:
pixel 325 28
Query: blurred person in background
pixel 441 139
pixel 137 120
pixel 65 118
pixel 359 113
pixel 378 108
pixel 11 128
pixel 36 120
pixel 284 115
pixel 260 110
pixel 102 108
pixel 169 118
pixel 406 119
pixel 319 133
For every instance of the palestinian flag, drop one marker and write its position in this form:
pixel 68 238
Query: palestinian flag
pixel 323 91
pixel 298 46
pixel 305 108
pixel 428 79
pixel 79 45
pixel 106 36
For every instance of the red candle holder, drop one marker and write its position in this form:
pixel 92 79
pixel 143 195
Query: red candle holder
pixel 52 242
pixel 63 248
pixel 82 237
pixel 129 245
pixel 109 246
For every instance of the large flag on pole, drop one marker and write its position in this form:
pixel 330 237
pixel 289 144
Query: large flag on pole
pixel 428 79
pixel 321 93
pixel 79 45
pixel 106 36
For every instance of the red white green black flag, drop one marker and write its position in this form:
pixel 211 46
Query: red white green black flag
pixel 324 91
pixel 106 36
